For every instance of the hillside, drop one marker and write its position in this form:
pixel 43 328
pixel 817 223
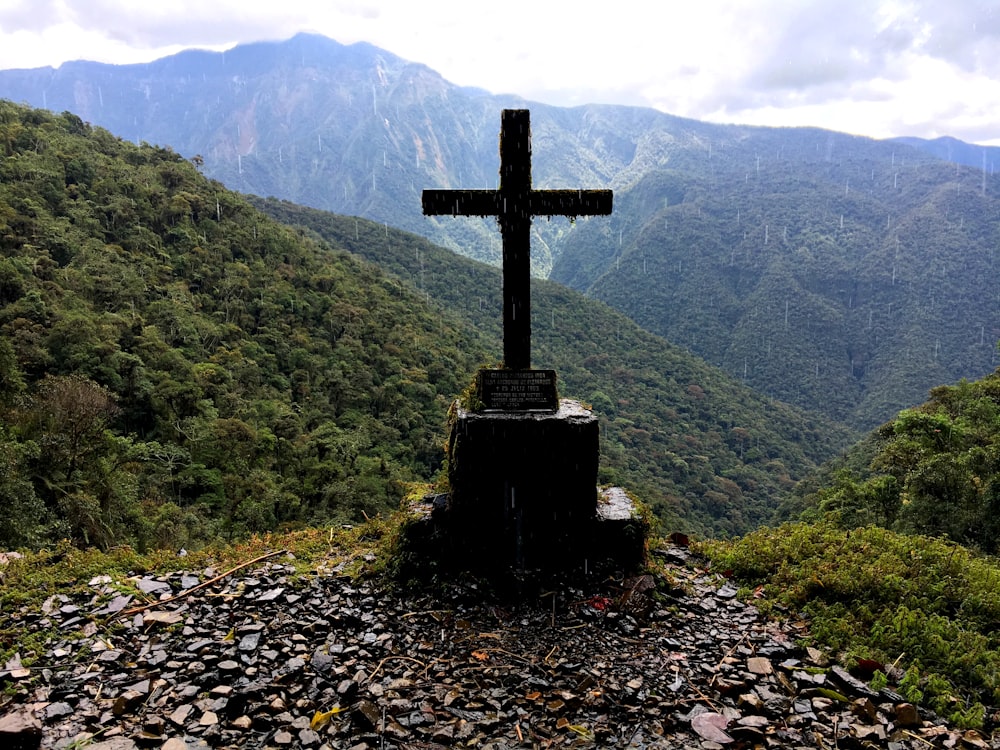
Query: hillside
pixel 956 151
pixel 353 129
pixel 179 366
pixel 832 274
pixel 699 447
pixel 830 271
pixel 933 469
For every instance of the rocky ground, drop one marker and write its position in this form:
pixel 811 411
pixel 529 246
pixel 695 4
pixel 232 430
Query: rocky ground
pixel 264 658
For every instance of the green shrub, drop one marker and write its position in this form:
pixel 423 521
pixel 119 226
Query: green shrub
pixel 929 605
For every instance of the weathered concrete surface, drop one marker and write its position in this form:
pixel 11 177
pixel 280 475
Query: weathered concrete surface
pixel 524 497
pixel 620 530
pixel 523 486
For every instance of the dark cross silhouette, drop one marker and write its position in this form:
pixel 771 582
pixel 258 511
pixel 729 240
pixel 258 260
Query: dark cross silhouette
pixel 514 205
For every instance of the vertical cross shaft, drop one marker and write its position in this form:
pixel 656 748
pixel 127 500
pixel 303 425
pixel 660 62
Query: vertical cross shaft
pixel 515 229
pixel 514 205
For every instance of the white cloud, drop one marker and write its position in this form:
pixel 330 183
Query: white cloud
pixel 914 67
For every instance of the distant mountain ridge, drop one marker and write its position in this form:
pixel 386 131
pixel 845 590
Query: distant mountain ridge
pixel 951 149
pixel 828 270
pixel 853 282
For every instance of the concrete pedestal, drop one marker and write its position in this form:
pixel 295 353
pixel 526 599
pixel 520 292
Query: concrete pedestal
pixel 524 497
pixel 523 486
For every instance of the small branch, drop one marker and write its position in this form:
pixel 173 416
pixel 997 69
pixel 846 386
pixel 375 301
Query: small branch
pixel 209 582
pixel 389 658
pixel 729 653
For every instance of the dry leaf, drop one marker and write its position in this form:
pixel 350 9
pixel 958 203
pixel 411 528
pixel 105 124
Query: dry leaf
pixel 322 717
pixel 711 726
pixel 480 655
pixel 582 731
pixel 972 737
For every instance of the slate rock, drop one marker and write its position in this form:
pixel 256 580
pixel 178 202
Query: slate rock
pixel 57 710
pixel 249 642
pixel 127 702
pixel 20 730
pixel 115 743
pixel 366 715
pixel 906 715
pixel 152 586
pixel 851 683
pixel 456 668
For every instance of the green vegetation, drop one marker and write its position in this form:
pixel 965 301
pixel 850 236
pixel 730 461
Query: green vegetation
pixel 934 469
pixel 178 367
pixel 849 285
pixel 927 606
pixel 841 274
pixel 705 453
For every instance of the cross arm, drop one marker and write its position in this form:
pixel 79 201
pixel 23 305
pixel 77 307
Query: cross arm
pixel 571 202
pixel 461 202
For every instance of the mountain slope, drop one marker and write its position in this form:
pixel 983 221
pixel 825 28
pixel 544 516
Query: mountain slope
pixel 958 152
pixel 178 366
pixel 353 129
pixel 851 281
pixel 705 452
pixel 862 243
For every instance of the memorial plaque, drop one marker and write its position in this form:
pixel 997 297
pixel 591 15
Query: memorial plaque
pixel 518 390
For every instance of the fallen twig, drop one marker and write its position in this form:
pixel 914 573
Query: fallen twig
pixel 704 697
pixel 209 582
pixel 388 658
pixel 729 653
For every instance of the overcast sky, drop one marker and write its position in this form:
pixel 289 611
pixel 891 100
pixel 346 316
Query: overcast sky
pixel 872 67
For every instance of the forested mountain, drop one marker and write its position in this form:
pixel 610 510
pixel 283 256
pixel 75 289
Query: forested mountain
pixel 178 365
pixel 986 158
pixel 352 129
pixel 835 272
pixel 934 469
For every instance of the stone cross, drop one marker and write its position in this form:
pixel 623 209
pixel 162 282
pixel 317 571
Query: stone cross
pixel 514 205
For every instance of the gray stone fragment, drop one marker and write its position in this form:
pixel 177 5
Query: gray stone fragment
pixel 127 702
pixel 851 683
pixel 56 710
pixel 249 642
pixel 114 743
pixel 308 737
pixel 181 714
pixel 152 586
pixel 20 730
pixel 728 591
